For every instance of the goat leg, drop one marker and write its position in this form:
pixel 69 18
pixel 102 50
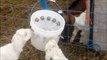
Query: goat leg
pixel 74 34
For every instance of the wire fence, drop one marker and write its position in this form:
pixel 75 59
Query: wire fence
pixel 22 10
pixel 25 12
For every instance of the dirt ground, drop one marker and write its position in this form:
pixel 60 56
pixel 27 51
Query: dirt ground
pixel 14 14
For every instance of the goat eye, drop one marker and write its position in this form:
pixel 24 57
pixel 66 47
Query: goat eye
pixel 37 20
pixel 53 20
pixel 48 18
pixel 42 17
pixel 58 23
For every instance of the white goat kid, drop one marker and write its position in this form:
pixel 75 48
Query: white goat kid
pixel 79 25
pixel 12 50
pixel 53 52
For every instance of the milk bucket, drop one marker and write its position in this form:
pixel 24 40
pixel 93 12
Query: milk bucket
pixel 46 24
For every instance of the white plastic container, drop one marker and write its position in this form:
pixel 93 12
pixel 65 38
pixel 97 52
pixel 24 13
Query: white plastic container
pixel 46 24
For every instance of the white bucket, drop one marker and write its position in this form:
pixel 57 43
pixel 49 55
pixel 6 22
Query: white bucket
pixel 46 24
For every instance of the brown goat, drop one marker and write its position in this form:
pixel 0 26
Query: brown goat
pixel 75 17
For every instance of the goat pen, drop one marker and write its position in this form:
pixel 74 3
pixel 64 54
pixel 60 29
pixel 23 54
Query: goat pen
pixel 15 14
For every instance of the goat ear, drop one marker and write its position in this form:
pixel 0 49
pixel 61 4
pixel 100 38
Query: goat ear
pixel 17 43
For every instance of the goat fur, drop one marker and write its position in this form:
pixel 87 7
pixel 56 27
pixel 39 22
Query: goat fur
pixel 79 24
pixel 53 52
pixel 11 51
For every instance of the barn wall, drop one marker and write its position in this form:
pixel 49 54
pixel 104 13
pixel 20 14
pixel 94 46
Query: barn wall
pixel 100 23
